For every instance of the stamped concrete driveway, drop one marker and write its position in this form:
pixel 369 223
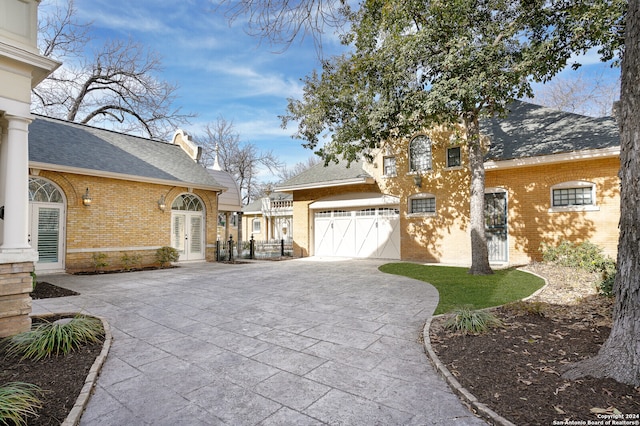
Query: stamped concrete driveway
pixel 300 342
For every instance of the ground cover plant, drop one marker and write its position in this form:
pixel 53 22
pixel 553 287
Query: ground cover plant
pixel 457 288
pixel 43 371
pixel 17 402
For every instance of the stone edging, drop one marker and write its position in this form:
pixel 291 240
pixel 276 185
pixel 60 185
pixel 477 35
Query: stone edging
pixel 462 392
pixel 73 418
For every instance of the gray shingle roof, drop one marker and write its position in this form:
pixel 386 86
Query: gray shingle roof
pixel 331 173
pixel 61 143
pixel 528 131
pixel 531 130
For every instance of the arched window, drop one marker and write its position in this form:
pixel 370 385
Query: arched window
pixel 420 154
pixel 187 202
pixel 43 191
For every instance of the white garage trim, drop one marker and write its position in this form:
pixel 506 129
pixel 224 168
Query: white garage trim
pixel 355 201
pixel 365 231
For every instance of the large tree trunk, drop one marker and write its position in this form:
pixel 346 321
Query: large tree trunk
pixel 479 252
pixel 619 357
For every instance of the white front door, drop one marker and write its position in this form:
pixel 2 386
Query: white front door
pixel 46 235
pixel 187 235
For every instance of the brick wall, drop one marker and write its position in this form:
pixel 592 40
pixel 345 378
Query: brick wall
pixel 123 218
pixel 529 200
pixel 15 302
pixel 444 236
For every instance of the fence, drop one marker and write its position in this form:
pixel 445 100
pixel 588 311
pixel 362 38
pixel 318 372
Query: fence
pixel 253 249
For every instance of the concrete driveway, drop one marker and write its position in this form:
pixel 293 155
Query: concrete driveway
pixel 300 342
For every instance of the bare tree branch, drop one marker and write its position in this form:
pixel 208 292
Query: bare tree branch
pixel 280 22
pixel 117 85
pixel 242 160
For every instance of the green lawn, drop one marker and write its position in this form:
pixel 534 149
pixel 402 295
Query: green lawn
pixel 458 288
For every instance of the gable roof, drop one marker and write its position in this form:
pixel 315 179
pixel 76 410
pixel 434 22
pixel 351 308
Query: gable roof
pixel 76 148
pixel 528 132
pixel 531 130
pixel 332 175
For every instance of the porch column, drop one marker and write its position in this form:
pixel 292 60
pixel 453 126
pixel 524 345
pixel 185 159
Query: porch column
pixel 15 153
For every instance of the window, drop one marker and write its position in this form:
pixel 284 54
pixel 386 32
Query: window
pixel 572 197
pixel 453 157
pixel 389 166
pixel 255 224
pixel 420 154
pixel 423 203
pixel 187 202
pixel 575 195
pixel 43 191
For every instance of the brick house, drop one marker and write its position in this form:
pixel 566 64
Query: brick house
pixel 95 192
pixel 550 176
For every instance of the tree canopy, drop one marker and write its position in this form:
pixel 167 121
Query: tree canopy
pixel 414 64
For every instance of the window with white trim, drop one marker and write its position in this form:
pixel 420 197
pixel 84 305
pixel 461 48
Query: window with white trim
pixel 420 154
pixel 256 226
pixel 389 166
pixel 422 203
pixel 574 195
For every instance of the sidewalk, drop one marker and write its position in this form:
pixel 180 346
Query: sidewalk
pixel 297 342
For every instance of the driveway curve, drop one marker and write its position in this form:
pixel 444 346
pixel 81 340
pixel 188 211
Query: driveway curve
pixel 300 342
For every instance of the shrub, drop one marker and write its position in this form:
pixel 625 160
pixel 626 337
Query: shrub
pixel 59 337
pixel 166 255
pixel 34 280
pixel 129 261
pixel 17 401
pixel 586 256
pixel 525 307
pixel 99 260
pixel 471 322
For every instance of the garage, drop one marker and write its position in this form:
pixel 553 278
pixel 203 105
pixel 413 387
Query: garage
pixel 363 225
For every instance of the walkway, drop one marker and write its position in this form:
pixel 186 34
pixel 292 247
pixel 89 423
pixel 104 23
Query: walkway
pixel 298 342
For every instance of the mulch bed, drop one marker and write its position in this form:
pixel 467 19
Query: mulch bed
pixel 60 377
pixel 516 369
pixel 45 290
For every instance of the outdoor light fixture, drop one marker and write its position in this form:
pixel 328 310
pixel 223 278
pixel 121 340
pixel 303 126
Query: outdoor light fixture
pixel 86 198
pixel 161 203
pixel 417 179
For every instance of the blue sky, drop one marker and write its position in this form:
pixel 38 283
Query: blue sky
pixel 220 70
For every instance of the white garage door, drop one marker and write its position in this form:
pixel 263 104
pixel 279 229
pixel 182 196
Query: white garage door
pixel 370 232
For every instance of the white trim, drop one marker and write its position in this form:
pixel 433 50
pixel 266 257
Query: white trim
pixel 422 195
pixel 588 154
pixel 327 184
pixel 121 176
pixel 577 207
pixel 355 200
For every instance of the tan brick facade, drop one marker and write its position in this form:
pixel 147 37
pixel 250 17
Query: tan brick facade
pixel 443 236
pixel 124 218
pixel 530 220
